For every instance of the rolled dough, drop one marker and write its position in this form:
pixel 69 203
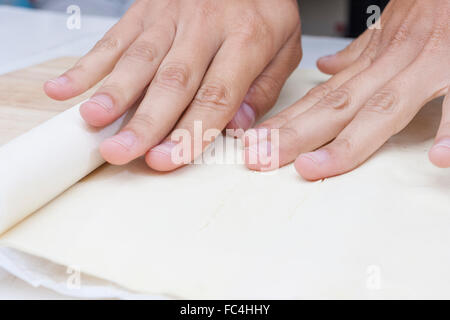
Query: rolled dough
pixel 40 164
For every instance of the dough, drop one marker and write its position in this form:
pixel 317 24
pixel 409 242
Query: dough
pixel 222 231
pixel 40 164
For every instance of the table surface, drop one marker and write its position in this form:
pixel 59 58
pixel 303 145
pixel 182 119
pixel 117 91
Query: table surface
pixel 34 36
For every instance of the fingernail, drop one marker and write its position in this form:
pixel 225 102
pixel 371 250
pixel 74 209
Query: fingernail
pixel 102 100
pixel 164 148
pixel 244 117
pixel 60 81
pixel 127 139
pixel 444 143
pixel 319 157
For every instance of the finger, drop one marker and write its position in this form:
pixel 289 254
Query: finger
pixel 384 115
pixel 392 19
pixel 312 97
pixel 323 122
pixel 172 90
pixel 98 62
pixel 224 87
pixel 440 153
pixel 266 89
pixel 131 75
pixel 319 92
pixel 335 63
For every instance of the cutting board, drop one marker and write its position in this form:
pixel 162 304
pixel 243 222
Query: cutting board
pixel 23 103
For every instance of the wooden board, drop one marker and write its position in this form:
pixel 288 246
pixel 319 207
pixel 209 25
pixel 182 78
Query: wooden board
pixel 23 103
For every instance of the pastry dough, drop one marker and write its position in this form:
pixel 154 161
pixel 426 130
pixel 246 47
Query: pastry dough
pixel 40 164
pixel 222 231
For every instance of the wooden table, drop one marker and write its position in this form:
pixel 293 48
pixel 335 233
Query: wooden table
pixel 23 103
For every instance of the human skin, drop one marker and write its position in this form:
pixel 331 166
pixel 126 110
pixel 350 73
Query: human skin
pixel 219 62
pixel 379 83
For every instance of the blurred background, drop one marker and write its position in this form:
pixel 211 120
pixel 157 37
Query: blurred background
pixel 335 18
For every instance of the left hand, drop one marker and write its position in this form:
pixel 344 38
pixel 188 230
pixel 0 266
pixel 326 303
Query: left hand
pixel 380 83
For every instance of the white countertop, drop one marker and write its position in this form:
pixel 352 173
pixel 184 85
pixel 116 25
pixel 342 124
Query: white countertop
pixel 33 36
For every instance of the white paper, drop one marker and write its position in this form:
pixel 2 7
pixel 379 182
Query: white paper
pixel 69 282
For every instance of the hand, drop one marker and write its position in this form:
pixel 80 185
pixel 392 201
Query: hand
pixel 219 62
pixel 380 83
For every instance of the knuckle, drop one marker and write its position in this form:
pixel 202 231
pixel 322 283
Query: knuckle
pixel 289 134
pixel 267 86
pixel 175 76
pixel 439 33
pixel 142 122
pixel 318 92
pixel 401 35
pixel 213 97
pixel 337 99
pixel 142 51
pixel 253 28
pixel 382 102
pixel 369 54
pixel 207 8
pixel 107 43
pixel 343 146
pixel 438 39
pixel 251 24
pixel 206 14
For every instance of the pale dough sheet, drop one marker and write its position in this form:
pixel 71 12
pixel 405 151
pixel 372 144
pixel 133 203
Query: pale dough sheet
pixel 222 231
